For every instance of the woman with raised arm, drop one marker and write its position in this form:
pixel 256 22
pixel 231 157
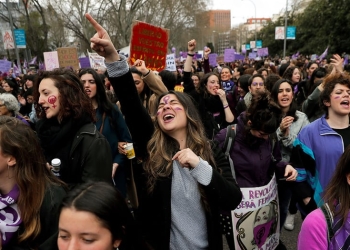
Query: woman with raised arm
pixel 211 100
pixel 183 172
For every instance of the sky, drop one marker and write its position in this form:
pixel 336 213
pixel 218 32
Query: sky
pixel 241 10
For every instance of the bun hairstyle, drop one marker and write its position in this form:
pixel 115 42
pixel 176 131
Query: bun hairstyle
pixel 263 113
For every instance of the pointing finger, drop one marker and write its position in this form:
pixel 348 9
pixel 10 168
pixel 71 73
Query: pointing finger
pixel 99 29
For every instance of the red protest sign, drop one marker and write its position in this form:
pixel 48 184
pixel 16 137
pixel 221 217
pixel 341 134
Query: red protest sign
pixel 149 43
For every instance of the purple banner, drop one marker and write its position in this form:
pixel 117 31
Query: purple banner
pixel 212 59
pixel 263 52
pixel 5 66
pixel 229 55
pixel 84 62
pixel 252 55
pixel 239 57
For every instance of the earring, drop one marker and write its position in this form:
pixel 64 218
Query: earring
pixel 8 172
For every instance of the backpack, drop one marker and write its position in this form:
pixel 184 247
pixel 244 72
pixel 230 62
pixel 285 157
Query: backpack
pixel 229 139
pixel 335 226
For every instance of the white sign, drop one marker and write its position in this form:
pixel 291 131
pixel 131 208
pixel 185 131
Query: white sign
pixel 10 1
pixel 252 44
pixel 96 61
pixel 170 62
pixel 256 218
pixel 279 33
pixel 8 40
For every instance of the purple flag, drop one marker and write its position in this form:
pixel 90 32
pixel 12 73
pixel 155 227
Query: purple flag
pixel 16 70
pixel 25 64
pixel 33 61
pixel 41 66
pixel 346 60
pixel 324 54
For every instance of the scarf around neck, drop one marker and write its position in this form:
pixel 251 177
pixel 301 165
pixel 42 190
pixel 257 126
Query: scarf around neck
pixel 10 218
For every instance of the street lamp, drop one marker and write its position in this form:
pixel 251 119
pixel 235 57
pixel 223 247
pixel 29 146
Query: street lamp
pixel 285 31
pixel 213 38
pixel 255 19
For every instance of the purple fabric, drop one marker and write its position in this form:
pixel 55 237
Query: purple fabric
pixel 261 232
pixel 9 215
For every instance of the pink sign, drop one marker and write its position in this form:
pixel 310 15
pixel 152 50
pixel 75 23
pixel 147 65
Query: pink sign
pixel 51 60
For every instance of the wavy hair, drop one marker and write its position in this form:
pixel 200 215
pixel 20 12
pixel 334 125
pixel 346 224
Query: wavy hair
pixel 74 102
pixel 288 74
pixel 30 172
pixel 265 115
pixel 162 147
pixel 329 83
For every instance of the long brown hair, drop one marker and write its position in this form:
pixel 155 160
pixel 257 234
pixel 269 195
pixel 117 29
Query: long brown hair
pixel 162 147
pixel 30 172
pixel 338 189
pixel 74 102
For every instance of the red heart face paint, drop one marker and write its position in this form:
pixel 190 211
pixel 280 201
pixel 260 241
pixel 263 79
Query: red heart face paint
pixel 52 100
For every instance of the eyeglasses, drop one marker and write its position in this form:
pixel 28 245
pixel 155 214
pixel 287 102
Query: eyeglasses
pixel 257 83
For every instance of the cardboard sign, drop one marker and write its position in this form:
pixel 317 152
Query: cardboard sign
pixel 170 62
pixel 68 57
pixel 51 60
pixel 8 40
pixel 149 43
pixel 258 217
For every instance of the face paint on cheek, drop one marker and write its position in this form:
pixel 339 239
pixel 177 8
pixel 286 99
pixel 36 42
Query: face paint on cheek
pixel 177 108
pixel 52 100
pixel 158 112
pixel 336 97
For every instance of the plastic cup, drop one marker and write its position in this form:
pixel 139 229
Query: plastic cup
pixel 130 152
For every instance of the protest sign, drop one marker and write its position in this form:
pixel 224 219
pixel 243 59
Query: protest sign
pixel 8 40
pixel 256 219
pixel 149 43
pixel 212 59
pixel 84 62
pixel 96 61
pixel 279 33
pixel 170 62
pixel 229 55
pixel 252 55
pixel 5 66
pixel 68 57
pixel 51 60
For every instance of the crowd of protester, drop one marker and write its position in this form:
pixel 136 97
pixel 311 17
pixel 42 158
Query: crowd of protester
pixel 291 123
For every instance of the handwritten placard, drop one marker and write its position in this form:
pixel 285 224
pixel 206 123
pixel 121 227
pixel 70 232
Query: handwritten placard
pixel 149 43
pixel 68 57
pixel 170 62
pixel 51 60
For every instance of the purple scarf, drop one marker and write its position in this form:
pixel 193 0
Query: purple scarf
pixel 9 216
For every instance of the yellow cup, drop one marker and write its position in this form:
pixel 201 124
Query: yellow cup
pixel 130 152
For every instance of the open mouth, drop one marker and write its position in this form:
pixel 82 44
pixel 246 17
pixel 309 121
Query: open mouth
pixel 345 103
pixel 168 117
pixel 88 91
pixel 45 108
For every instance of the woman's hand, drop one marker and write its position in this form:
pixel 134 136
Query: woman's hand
pixel 337 62
pixel 290 173
pixel 221 93
pixel 207 51
pixel 101 42
pixel 114 169
pixel 141 66
pixel 121 147
pixel 187 158
pixel 285 124
pixel 191 46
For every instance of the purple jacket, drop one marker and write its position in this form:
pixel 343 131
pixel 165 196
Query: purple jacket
pixel 253 163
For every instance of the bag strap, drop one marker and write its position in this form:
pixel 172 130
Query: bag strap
pixel 230 137
pixel 329 219
pixel 103 121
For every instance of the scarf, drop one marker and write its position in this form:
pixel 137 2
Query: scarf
pixel 10 218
